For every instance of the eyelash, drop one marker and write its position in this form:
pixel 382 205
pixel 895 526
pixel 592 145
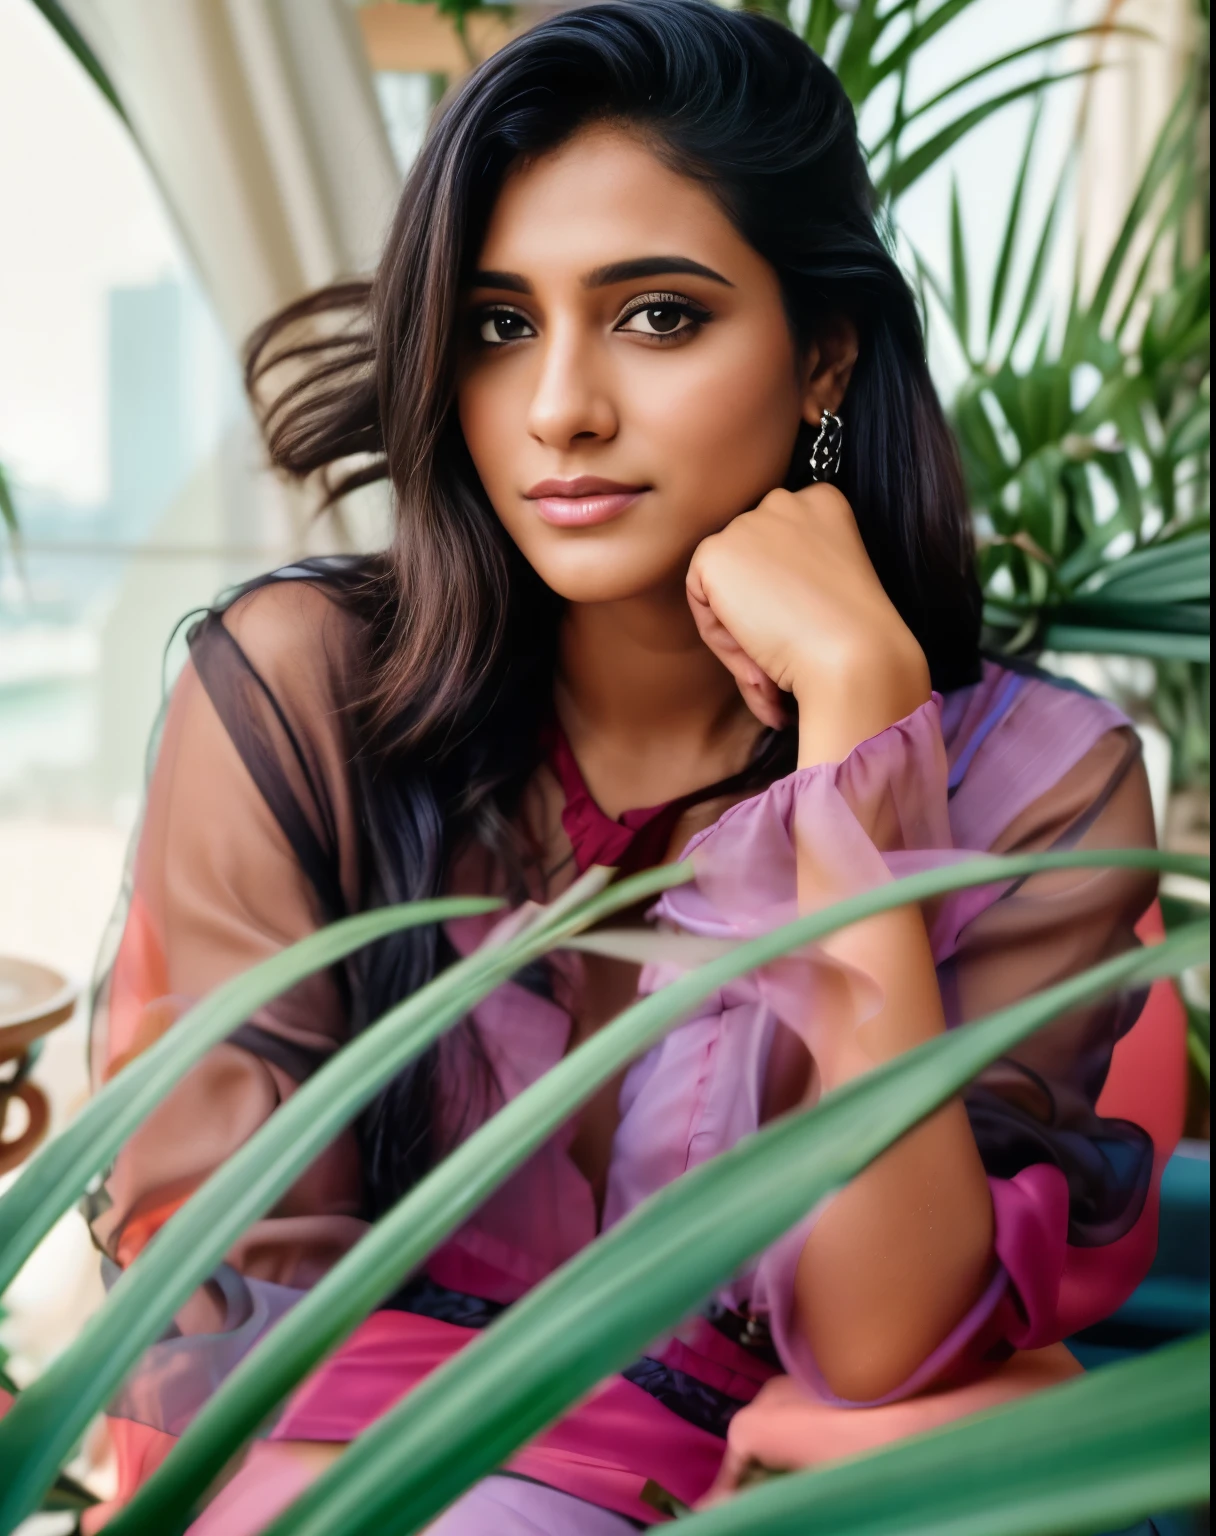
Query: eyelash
pixel 696 313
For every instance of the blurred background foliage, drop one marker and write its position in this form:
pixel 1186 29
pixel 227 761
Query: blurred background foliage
pixel 1085 434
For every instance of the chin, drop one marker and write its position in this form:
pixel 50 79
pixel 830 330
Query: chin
pixel 596 575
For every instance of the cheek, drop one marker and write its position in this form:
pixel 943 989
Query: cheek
pixel 491 418
pixel 722 419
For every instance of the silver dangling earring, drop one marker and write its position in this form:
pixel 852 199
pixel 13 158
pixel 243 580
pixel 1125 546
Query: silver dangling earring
pixel 824 457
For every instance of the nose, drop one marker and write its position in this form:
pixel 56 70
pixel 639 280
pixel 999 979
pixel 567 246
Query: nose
pixel 571 399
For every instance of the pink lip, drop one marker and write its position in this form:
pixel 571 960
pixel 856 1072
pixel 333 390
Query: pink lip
pixel 584 502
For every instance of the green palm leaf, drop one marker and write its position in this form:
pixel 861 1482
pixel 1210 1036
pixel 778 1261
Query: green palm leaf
pixel 1167 225
pixel 822 16
pixel 1164 631
pixel 1178 571
pixel 1151 644
pixel 1111 1447
pixel 900 177
pixel 8 507
pixel 960 293
pixel 990 66
pixel 49 1416
pixel 1012 225
pixel 914 40
pixel 604 1306
pixel 417 1224
pixel 852 64
pixel 1172 143
pixel 74 40
pixel 59 1173
pixel 1032 290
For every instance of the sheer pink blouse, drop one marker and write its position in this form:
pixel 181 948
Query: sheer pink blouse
pixel 250 840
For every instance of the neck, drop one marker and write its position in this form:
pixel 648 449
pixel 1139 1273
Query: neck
pixel 650 712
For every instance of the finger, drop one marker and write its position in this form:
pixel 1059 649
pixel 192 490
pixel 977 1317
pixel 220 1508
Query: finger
pixel 694 587
pixel 726 1482
pixel 715 634
pixel 760 693
pixel 767 703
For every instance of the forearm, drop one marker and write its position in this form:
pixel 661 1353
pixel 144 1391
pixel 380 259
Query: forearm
pixel 902 1253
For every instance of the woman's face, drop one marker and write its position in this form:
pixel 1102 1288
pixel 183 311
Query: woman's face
pixel 628 379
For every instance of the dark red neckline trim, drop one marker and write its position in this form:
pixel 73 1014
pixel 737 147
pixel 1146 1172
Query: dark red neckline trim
pixel 638 839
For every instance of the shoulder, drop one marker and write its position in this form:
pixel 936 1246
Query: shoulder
pixel 265 705
pixel 1029 752
pixel 295 634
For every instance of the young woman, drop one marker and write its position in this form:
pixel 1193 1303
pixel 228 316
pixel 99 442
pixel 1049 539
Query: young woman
pixel 679 526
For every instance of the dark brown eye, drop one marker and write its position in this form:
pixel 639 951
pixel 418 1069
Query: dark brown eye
pixel 669 318
pixel 663 318
pixel 502 325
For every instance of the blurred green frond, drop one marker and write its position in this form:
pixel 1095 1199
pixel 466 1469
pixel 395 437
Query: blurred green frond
pixel 640 1278
pixel 903 171
pixel 49 1416
pixel 77 45
pixel 1106 1449
pixel 868 43
pixel 1182 704
pixel 8 507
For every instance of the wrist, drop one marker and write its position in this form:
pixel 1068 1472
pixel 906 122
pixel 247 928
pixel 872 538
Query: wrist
pixel 841 706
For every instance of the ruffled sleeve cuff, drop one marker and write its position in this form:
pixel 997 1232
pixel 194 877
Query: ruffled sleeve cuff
pixel 746 863
pixel 1017 1308
pixel 773 1297
pixel 1041 1291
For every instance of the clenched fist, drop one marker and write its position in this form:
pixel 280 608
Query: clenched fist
pixel 786 597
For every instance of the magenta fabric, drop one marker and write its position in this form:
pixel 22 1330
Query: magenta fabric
pixel 1031 1220
pixel 1056 1289
pixel 604 1451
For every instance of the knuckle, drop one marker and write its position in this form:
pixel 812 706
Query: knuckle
pixel 708 551
pixel 779 500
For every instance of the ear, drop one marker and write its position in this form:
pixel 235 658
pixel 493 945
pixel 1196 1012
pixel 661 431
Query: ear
pixel 827 368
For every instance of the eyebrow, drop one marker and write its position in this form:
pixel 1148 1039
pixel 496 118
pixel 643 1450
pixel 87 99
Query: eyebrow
pixel 650 266
pixel 613 272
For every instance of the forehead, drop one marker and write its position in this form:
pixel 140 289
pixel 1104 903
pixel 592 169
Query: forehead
pixel 601 196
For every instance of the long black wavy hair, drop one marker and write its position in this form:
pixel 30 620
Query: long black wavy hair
pixel 463 633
